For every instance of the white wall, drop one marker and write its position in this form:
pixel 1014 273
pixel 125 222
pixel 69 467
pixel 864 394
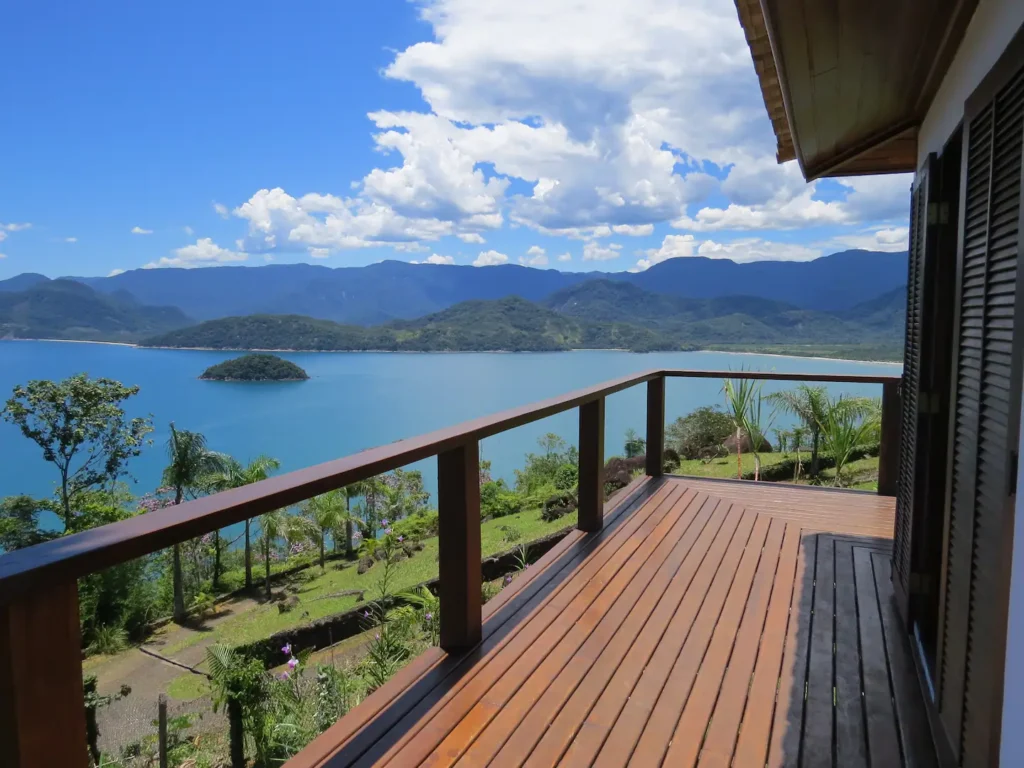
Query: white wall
pixel 992 27
pixel 1012 748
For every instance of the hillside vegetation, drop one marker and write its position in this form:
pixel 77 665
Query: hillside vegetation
pixel 65 309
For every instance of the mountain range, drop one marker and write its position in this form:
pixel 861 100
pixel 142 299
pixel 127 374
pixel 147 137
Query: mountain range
pixel 679 304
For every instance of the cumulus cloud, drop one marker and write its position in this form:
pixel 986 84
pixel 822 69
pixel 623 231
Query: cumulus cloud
pixel 3 255
pixel 564 257
pixel 436 259
pixel 743 250
pixel 595 251
pixel 141 231
pixel 319 253
pixel 471 237
pixel 888 239
pixel 115 272
pixel 535 257
pixel 490 259
pixel 221 210
pixel 204 252
pixel 16 227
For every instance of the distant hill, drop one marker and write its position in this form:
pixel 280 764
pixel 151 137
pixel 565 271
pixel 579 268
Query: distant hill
pixel 65 309
pixel 511 324
pixel 23 281
pixel 394 290
pixel 255 368
pixel 886 314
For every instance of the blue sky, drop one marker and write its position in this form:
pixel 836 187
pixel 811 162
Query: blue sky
pixel 457 131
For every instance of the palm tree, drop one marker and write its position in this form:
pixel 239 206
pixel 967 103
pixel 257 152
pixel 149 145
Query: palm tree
pixel 190 461
pixel 353 491
pixel 324 513
pixel 797 435
pixel 847 425
pixel 756 424
pixel 808 404
pixel 273 525
pixel 234 475
pixel 635 445
pixel 739 397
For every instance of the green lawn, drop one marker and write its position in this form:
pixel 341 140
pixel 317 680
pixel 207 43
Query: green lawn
pixel 318 591
pixel 861 474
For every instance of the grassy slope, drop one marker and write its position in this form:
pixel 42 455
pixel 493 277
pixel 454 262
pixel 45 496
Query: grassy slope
pixel 864 472
pixel 315 595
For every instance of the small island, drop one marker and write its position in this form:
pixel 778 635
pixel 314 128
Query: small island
pixel 260 367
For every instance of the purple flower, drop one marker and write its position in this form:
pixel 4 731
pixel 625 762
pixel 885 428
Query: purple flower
pixel 401 538
pixel 286 649
pixel 384 523
pixel 283 676
pixel 366 614
pixel 508 579
pixel 377 636
pixel 429 616
pixel 293 663
pixel 387 531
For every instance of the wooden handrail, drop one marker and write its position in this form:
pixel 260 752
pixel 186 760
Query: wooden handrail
pixel 40 647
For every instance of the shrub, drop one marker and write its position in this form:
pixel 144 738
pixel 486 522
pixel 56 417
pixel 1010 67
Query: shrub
pixel 419 526
pixel 108 639
pixel 497 500
pixel 701 431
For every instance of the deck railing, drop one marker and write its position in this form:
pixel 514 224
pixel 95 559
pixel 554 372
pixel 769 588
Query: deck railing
pixel 42 718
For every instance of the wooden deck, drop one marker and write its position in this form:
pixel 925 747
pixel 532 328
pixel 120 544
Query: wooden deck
pixel 708 624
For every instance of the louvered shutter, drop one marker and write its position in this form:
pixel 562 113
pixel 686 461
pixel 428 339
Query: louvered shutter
pixel 906 512
pixel 984 423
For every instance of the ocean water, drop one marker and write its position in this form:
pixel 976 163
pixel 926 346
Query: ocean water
pixel 354 401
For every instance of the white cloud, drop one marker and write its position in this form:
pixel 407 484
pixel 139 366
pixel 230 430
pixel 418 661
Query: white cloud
pixel 564 257
pixel 141 231
pixel 490 259
pixel 471 237
pixel 436 259
pixel 203 253
pixel 3 255
pixel 115 272
pixel 744 250
pixel 535 257
pixel 188 230
pixel 3 235
pixel 70 239
pixel 16 227
pixel 888 239
pixel 319 253
pixel 638 230
pixel 221 210
pixel 594 251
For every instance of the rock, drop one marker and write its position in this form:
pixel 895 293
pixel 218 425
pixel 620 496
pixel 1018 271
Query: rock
pixel 745 444
pixel 409 550
pixel 289 604
pixel 417 545
pixel 379 554
pixel 365 564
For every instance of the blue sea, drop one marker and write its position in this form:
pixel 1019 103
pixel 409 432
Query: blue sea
pixel 354 401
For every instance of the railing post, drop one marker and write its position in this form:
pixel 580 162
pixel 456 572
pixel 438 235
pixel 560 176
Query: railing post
pixel 42 704
pixel 889 448
pixel 591 484
pixel 656 427
pixel 458 503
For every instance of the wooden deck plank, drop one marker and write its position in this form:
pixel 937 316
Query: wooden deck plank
pixel 851 743
pixel 724 678
pixel 710 623
pixel 551 683
pixel 522 618
pixel 459 720
pixel 755 731
pixel 629 726
pixel 604 714
pixel 818 716
pixel 603 652
pixel 879 713
pixel 717 624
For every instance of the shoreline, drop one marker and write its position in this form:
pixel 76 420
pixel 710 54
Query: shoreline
pixel 453 352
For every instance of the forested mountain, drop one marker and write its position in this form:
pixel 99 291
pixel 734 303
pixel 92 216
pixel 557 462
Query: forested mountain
pixel 394 290
pixel 65 309
pixel 23 281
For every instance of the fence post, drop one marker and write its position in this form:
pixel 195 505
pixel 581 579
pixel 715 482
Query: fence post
pixel 42 702
pixel 591 480
pixel 656 427
pixel 161 723
pixel 889 448
pixel 458 507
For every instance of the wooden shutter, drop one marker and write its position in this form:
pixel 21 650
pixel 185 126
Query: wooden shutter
pixel 985 417
pixel 906 512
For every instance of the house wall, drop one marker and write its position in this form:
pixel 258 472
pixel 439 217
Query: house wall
pixel 992 27
pixel 1012 746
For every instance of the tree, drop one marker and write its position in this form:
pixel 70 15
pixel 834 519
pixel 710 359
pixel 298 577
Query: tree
pixel 740 395
pixel 273 525
pixel 635 445
pixel 847 425
pixel 190 461
pixel 325 513
pixel 81 427
pixel 19 523
pixel 756 424
pixel 797 434
pixel 701 431
pixel 808 404
pixel 234 475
